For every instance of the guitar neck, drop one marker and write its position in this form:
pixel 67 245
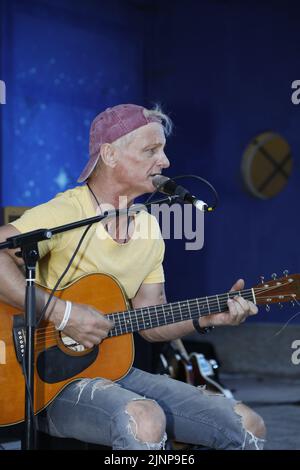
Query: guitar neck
pixel 144 318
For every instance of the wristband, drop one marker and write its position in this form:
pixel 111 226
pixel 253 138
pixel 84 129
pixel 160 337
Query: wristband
pixel 199 329
pixel 66 316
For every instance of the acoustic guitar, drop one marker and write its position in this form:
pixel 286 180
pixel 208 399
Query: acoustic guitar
pixel 60 360
pixel 193 368
pixel 175 362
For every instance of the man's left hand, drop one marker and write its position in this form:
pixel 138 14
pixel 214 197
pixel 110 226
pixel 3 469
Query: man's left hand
pixel 238 310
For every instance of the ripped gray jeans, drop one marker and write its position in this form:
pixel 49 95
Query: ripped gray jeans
pixel 94 410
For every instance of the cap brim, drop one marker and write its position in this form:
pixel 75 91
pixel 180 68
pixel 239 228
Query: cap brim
pixel 88 169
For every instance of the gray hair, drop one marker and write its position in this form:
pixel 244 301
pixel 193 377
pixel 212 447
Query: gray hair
pixel 164 118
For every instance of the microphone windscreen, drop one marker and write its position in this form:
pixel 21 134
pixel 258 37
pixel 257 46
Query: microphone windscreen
pixel 159 180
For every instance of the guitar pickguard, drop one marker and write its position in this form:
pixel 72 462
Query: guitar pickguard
pixel 53 365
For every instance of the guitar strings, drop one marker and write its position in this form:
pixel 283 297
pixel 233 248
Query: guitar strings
pixel 173 306
pixel 122 326
pixel 53 335
pixel 123 323
pixel 133 323
pixel 177 306
pixel 221 298
pixel 182 305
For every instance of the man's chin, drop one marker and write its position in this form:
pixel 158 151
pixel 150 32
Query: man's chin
pixel 151 185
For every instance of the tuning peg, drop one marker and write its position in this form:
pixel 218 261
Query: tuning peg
pixel 286 273
pixel 262 279
pixel 274 276
pixel 267 307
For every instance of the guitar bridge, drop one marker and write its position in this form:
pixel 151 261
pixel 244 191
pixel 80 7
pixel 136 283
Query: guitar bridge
pixel 19 337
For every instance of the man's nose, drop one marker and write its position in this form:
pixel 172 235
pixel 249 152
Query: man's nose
pixel 164 161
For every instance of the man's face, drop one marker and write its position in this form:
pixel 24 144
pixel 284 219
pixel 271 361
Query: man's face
pixel 142 158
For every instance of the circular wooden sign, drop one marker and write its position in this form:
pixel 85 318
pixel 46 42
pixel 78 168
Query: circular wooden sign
pixel 267 165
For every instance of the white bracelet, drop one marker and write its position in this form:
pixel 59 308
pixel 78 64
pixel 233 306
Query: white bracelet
pixel 66 316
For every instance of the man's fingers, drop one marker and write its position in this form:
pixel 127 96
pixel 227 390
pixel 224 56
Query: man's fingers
pixel 93 339
pixel 233 310
pixel 253 308
pixel 88 326
pixel 106 321
pixel 100 321
pixel 238 285
pixel 238 309
pixel 242 302
pixel 247 305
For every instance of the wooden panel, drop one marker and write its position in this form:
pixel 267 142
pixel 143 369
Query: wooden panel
pixel 11 213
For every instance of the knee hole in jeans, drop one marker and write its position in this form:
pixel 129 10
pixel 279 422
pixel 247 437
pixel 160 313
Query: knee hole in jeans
pixel 251 420
pixel 148 421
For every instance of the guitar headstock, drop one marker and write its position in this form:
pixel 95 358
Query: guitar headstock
pixel 277 290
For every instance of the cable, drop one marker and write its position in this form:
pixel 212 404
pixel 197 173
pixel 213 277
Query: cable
pixel 43 312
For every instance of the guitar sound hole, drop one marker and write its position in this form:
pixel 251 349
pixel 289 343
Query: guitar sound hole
pixel 70 343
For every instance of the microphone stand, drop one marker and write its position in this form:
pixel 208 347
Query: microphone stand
pixel 28 244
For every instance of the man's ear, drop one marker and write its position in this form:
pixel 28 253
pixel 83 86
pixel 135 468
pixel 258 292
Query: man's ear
pixel 109 155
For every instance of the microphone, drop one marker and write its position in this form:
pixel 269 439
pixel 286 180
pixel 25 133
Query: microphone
pixel 168 186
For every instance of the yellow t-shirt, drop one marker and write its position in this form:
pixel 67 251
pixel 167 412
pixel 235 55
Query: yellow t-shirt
pixel 137 261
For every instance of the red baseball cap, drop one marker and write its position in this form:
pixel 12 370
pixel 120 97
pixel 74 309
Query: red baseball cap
pixel 109 126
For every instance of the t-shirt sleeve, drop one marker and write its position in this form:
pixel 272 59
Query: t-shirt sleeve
pixel 57 211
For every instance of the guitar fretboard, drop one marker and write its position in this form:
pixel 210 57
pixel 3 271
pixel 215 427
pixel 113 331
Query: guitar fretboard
pixel 144 318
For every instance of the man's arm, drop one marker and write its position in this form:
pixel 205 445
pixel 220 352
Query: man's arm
pixel 86 325
pixel 154 294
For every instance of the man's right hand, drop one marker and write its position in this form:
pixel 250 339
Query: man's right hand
pixel 86 325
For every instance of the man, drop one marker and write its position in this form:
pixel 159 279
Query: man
pixel 140 410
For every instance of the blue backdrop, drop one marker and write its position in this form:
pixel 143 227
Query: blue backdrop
pixel 223 70
pixel 63 63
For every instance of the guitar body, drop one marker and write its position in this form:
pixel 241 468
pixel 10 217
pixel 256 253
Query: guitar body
pixel 204 374
pixel 179 366
pixel 193 368
pixel 56 364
